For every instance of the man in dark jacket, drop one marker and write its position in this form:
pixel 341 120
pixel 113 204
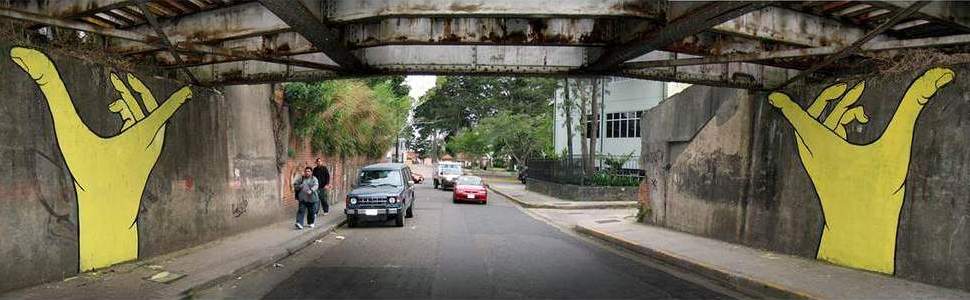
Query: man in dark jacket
pixel 323 177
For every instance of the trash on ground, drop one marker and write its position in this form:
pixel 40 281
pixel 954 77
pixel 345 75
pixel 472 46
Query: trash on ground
pixel 155 267
pixel 340 237
pixel 165 277
pixel 277 265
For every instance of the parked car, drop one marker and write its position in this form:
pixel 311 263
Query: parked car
pixel 446 173
pixel 470 189
pixel 417 178
pixel 382 192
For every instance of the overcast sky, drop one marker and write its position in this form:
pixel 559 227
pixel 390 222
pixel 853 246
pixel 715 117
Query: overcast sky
pixel 420 84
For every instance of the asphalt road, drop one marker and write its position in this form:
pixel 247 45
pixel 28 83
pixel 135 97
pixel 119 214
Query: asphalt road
pixel 451 251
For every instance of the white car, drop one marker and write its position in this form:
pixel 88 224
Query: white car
pixel 446 173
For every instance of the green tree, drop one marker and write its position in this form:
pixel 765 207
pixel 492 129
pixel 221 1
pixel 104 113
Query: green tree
pixel 474 142
pixel 519 136
pixel 463 101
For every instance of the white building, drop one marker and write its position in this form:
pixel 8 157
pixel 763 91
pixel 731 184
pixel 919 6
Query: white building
pixel 620 111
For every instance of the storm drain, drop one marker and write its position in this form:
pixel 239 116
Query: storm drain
pixel 607 221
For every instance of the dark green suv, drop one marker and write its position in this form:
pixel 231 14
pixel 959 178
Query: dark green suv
pixel 382 192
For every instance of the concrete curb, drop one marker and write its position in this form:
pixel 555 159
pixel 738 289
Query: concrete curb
pixel 278 253
pixel 728 278
pixel 527 204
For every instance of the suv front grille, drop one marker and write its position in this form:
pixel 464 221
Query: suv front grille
pixel 371 200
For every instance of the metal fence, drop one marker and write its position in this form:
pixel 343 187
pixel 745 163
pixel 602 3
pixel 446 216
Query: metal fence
pixel 570 171
pixel 566 171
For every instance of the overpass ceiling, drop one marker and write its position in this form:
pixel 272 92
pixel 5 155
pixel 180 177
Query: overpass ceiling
pixel 740 44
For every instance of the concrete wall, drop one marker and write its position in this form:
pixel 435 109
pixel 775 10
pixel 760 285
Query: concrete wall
pixel 732 165
pixel 186 174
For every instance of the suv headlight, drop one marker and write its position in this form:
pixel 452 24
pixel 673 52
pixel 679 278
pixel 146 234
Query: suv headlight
pixel 353 200
pixel 391 200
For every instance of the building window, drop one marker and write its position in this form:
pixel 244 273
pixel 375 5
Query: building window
pixel 623 124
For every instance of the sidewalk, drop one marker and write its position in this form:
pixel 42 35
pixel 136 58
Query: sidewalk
pixel 203 266
pixel 762 272
pixel 516 192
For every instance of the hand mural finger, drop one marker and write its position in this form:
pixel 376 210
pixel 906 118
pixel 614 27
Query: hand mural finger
pixel 839 109
pixel 853 114
pixel 823 99
pixel 165 111
pixel 808 130
pixel 126 95
pixel 121 108
pixel 146 95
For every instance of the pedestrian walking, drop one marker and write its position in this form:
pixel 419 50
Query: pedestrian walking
pixel 323 177
pixel 306 188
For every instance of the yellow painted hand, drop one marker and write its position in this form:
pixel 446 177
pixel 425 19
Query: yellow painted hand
pixel 861 187
pixel 109 173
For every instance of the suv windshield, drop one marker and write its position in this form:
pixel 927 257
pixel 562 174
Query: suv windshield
pixel 451 171
pixel 380 177
pixel 469 180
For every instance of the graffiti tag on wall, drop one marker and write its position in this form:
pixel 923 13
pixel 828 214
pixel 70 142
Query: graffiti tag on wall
pixel 860 186
pixel 110 172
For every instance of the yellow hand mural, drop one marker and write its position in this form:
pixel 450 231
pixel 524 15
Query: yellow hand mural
pixel 861 187
pixel 109 173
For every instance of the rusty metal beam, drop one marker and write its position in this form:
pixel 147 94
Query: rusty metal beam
pixel 357 10
pixel 184 47
pixel 14 14
pixel 846 51
pixel 955 14
pixel 323 36
pixel 693 22
pixel 297 60
pixel 252 72
pixel 232 22
pixel 783 25
pixel 482 30
pixel 802 53
pixel 65 8
pixel 150 16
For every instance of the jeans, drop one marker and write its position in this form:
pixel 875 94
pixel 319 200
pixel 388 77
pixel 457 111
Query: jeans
pixel 308 209
pixel 324 201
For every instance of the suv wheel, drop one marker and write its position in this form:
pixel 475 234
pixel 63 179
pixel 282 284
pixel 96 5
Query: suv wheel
pixel 399 220
pixel 351 221
pixel 409 213
pixel 436 184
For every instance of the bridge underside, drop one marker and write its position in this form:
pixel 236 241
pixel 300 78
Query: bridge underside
pixel 757 45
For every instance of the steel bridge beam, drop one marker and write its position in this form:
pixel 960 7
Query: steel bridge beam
pixel 323 36
pixel 691 23
pixel 357 10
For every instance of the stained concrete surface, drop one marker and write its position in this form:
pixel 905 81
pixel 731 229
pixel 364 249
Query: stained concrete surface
pixel 723 163
pixel 214 177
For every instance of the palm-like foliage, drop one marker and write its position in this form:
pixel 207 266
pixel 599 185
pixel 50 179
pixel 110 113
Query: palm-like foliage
pixel 347 118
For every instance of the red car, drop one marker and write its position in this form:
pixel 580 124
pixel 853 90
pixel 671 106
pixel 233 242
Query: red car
pixel 470 189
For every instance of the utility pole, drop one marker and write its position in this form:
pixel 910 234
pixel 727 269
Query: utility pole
pixel 595 125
